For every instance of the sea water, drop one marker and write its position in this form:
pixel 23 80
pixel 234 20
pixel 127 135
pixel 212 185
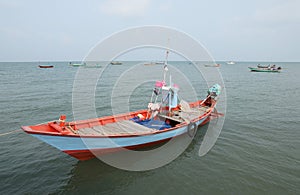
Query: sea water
pixel 257 151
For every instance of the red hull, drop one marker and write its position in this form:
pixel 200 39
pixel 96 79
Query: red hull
pixel 41 66
pixel 90 154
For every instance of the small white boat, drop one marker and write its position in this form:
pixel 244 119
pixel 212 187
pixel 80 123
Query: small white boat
pixel 231 62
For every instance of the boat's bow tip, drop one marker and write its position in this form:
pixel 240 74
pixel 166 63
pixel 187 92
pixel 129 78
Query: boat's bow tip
pixel 26 128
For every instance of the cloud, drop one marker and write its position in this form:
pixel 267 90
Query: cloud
pixel 125 7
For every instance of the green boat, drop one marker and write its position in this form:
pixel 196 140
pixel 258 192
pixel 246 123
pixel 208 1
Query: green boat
pixel 76 65
pixel 264 69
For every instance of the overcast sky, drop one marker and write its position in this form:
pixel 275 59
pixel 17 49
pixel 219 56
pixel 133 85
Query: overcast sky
pixel 54 30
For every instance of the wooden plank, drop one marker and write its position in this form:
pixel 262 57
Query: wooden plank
pixel 171 118
pixel 87 131
pixel 122 127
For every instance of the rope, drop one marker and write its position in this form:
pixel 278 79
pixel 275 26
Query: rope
pixel 204 99
pixel 10 132
pixel 14 131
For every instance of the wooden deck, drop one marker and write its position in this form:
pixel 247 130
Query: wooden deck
pixel 117 128
pixel 185 116
pixel 128 127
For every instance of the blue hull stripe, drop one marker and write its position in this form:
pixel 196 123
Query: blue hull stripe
pixel 78 143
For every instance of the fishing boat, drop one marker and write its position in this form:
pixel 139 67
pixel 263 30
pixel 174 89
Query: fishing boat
pixel 46 66
pixel 268 68
pixel 212 65
pixel 77 64
pixel 164 118
pixel 263 70
pixel 231 62
pixel 152 63
pixel 116 63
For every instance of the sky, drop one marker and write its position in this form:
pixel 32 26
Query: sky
pixel 66 30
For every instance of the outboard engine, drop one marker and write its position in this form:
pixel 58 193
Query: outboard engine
pixel 214 91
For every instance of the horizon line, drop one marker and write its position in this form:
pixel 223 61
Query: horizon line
pixel 139 60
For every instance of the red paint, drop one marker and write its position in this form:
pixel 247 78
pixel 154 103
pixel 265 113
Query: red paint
pixel 89 154
pixel 55 129
pixel 62 120
pixel 46 66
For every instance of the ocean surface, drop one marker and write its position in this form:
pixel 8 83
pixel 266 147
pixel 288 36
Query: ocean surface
pixel 257 152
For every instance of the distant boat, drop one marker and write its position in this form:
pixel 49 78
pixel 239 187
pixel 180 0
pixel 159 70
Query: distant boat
pixel 154 63
pixel 269 68
pixel 212 65
pixel 76 65
pixel 46 66
pixel 150 63
pixel 116 63
pixel 159 62
pixel 231 62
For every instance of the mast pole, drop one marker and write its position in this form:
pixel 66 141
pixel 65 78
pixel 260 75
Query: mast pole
pixel 166 61
pixel 166 65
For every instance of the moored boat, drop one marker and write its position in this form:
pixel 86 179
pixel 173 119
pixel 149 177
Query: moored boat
pixel 166 117
pixel 231 62
pixel 116 63
pixel 152 63
pixel 77 64
pixel 212 65
pixel 268 68
pixel 46 66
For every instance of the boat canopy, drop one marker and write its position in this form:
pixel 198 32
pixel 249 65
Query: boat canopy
pixel 169 94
